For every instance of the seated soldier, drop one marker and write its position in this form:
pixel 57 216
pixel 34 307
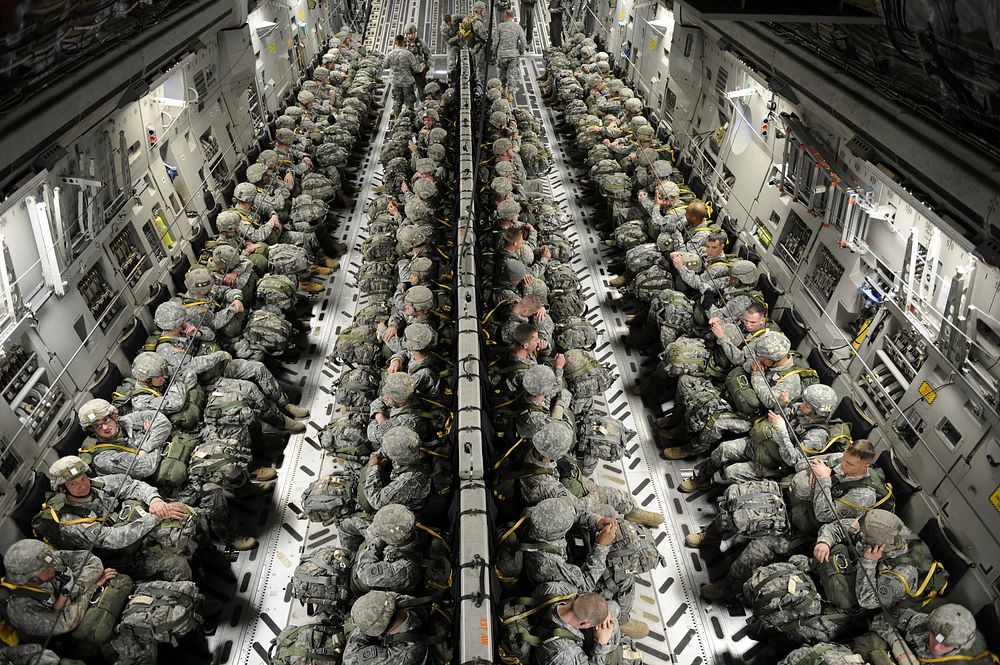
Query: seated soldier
pixel 741 459
pixel 714 274
pixel 742 351
pixel 130 444
pixel 521 355
pixel 233 233
pixel 216 307
pixel 177 395
pixel 909 637
pixel 392 555
pixel 586 612
pixel 544 401
pixel 825 492
pixel 396 403
pixel 418 307
pixel 528 309
pixel 417 358
pixel 50 590
pixel 77 517
pixel 231 269
pixel 398 473
pixel 422 270
pixel 897 569
pixel 736 296
pixel 378 621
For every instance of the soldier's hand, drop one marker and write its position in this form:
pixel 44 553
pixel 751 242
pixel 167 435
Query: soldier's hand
pixel 775 419
pixel 874 553
pixel 380 417
pixel 608 532
pixel 188 328
pixel 307 161
pixel 542 314
pixel 394 365
pixel 604 630
pixel 820 469
pixel 756 367
pixel 546 252
pixel 529 279
pixel 643 195
pixel 253 246
pixel 718 331
pixel 404 186
pixel 675 258
pixel 167 511
pixel 290 180
pixel 559 360
pixel 275 222
pixel 784 397
pixel 237 306
pixel 821 552
pixel 109 573
pixel 373 459
pixel 227 356
pixel 389 333
pixel 61 602
pixel 229 278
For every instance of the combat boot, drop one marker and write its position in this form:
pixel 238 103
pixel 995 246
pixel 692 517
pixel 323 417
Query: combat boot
pixel 311 287
pixel 327 262
pixel 251 489
pixel 618 281
pixel 700 539
pixel 322 271
pixel 671 433
pixel 263 473
pixel 698 482
pixel 666 422
pixel 290 425
pixel 241 543
pixel 678 453
pixel 338 247
pixel 645 517
pixel 635 629
pixel 718 591
pixel 295 411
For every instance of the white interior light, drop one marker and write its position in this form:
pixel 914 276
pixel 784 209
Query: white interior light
pixel 744 92
pixel 265 28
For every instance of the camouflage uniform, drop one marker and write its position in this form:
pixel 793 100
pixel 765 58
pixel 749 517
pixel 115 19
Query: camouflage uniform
pixel 422 55
pixel 390 558
pixel 369 644
pixel 210 305
pixel 402 66
pixel 544 547
pixel 408 481
pixel 77 571
pixel 829 652
pixel 950 625
pixel 561 649
pixel 132 433
pixel 508 46
pixel 735 297
pixel 169 399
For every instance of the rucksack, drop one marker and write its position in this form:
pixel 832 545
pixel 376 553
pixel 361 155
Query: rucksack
pixel 601 436
pixel 587 377
pixel 323 580
pixel 173 469
pixel 318 186
pixel 689 356
pixel 824 653
pixel 741 394
pixel 357 387
pixel 222 462
pixel 672 309
pixel 630 234
pixel 575 332
pixel 651 283
pixel 566 304
pixel 780 593
pixel 167 610
pixel 287 259
pixel 616 186
pixel 276 290
pixel 519 629
pixel 101 617
pixel 756 508
pixel 561 277
pixel 268 331
pixel 178 536
pixel 559 245
pixel 309 644
pixel 373 313
pixel 766 450
pixel 377 278
pixel 642 257
pixel 229 404
pixel 380 247
pixel 331 497
pixel 346 438
pixel 357 345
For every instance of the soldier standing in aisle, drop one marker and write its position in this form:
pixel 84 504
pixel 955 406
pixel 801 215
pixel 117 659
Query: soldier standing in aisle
pixel 555 22
pixel 419 49
pixel 528 18
pixel 508 45
pixel 402 68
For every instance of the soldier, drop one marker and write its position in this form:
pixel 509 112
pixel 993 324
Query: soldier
pixel 403 67
pixel 397 394
pixel 398 473
pixel 713 277
pixel 948 633
pixel 231 269
pixel 544 546
pixel 827 491
pixel 179 397
pixel 254 229
pixel 897 569
pixel 390 558
pixel 418 307
pixel 521 356
pixel 271 194
pixel 86 505
pixel 416 358
pixel 449 31
pixel 478 39
pixel 555 22
pixel 529 309
pixel 544 401
pixel 422 54
pixel 567 622
pixel 181 344
pixel 50 590
pixel 231 233
pixel 213 306
pixel 508 46
pixel 742 351
pixel 741 459
pixel 384 633
pixel 528 18
pixel 128 444
pixel 738 295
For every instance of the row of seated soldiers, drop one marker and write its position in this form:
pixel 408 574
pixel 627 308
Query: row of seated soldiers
pixel 389 438
pixel 112 571
pixel 569 550
pixel 820 556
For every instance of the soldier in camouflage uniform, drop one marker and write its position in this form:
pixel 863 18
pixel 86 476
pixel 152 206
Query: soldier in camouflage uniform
pixel 234 232
pixel 394 406
pixel 521 355
pixel 213 306
pixel 910 637
pixel 479 38
pixel 569 645
pixel 231 269
pixel 33 654
pixel 399 472
pixel 828 652
pixel 418 306
pixel 272 194
pixel 88 503
pixel 377 620
pixel 544 546
pixel 825 492
pixel 544 401
pixel 737 296
pixel 130 444
pixel 741 349
pixel 508 46
pixel 715 274
pixel 403 67
pixel 529 309
pixel 52 589
pixel 449 32
pixel 416 358
pixel 422 55
pixel 180 344
pixel 390 558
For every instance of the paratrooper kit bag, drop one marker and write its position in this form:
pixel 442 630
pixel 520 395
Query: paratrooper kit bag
pixel 651 283
pixel 780 593
pixel 561 277
pixel 642 257
pixel 345 437
pixel 376 278
pixel 379 247
pixel 99 621
pixel 520 631
pixel 585 376
pixel 689 356
pixel 323 579
pixel 276 290
pixel 178 536
pixel 357 387
pixel 318 186
pixel 767 453
pixel 223 462
pixel 173 470
pixel 268 331
pixel 309 644
pixel 630 234
pixel 357 345
pixel 566 304
pixel 286 259
pixel 167 610
pixel 228 404
pixel 575 332
pixel 742 396
pixel 756 508
pixel 331 497
pixel 601 436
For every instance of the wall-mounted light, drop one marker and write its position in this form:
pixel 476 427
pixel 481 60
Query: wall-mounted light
pixel 744 92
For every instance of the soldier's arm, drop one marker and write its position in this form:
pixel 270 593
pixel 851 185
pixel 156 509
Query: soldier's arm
pixel 887 590
pixel 731 351
pixel 691 278
pixel 109 537
pixel 31 617
pixel 832 533
pixel 593 568
pixel 790 455
pixel 121 462
pixel 125 488
pixel 199 364
pixel 409 489
pixel 761 386
pixel 176 396
pixel 159 429
pixel 828 510
pixel 86 568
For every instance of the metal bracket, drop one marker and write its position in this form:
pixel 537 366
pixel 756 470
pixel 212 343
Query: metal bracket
pixel 79 181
